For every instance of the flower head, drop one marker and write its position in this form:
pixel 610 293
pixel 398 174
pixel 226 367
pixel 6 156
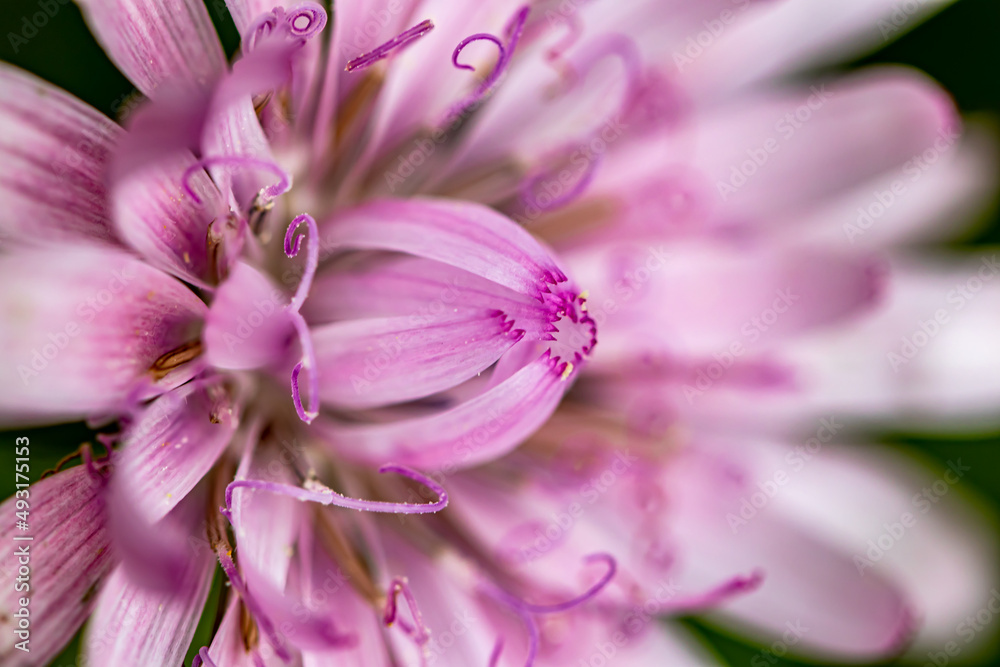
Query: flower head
pixel 367 266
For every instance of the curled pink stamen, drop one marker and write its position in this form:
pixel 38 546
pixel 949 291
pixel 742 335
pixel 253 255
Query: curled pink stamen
pixel 326 496
pixel 301 22
pixel 308 363
pixel 305 20
pixel 512 33
pixel 293 244
pixel 312 259
pixel 282 186
pixel 475 38
pixel 382 51
pixel 418 632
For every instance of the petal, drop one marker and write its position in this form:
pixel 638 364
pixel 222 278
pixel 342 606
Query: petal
pixel 394 285
pixel 87 327
pixel 248 325
pixel 70 555
pixel 154 557
pixel 770 41
pixel 174 443
pixel 701 298
pixel 326 591
pixel 926 359
pixel 156 42
pixel 156 216
pixel 365 363
pixel 55 154
pixel 780 153
pixel 860 496
pixel 136 626
pixel 811 588
pixel 908 204
pixel 443 587
pixel 266 525
pixel 478 430
pixel 244 12
pixel 230 643
pixel 578 499
pixel 236 131
pixel 464 235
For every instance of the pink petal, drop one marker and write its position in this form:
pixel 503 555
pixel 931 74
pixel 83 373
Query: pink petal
pixel 229 646
pixel 859 496
pixel 154 557
pixel 156 216
pixel 444 588
pixel 926 359
pixel 464 235
pixel 702 299
pixel 770 42
pixel 248 325
pixel 365 363
pixel 86 328
pixel 69 556
pixel 136 626
pixel 156 42
pixel 56 151
pixel 237 131
pixel 478 430
pixel 954 185
pixel 768 161
pixel 173 444
pixel 811 588
pixel 893 115
pixel 394 285
pixel 265 524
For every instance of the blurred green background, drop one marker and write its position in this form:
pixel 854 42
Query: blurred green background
pixel 960 47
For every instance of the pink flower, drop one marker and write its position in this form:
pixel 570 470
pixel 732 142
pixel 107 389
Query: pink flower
pixel 348 272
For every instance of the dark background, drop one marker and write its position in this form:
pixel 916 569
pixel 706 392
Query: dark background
pixel 960 47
